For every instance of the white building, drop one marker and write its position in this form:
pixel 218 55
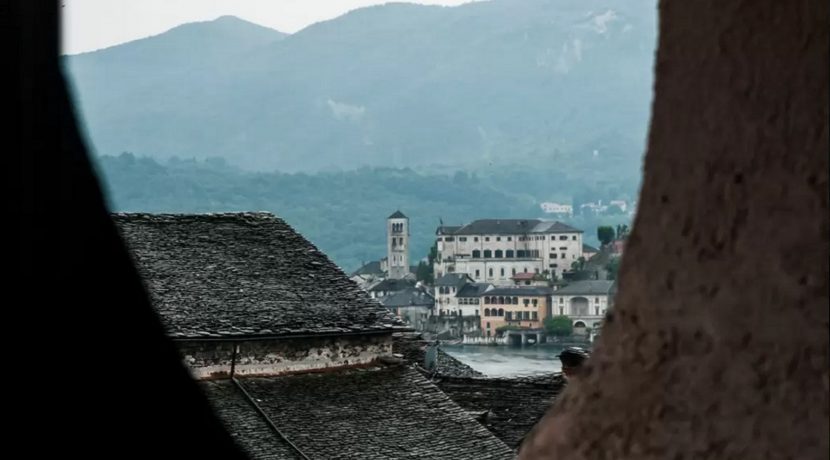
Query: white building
pixel 585 302
pixel 557 208
pixel 494 250
pixel 456 294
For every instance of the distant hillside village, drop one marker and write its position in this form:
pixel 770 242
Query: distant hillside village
pixel 498 281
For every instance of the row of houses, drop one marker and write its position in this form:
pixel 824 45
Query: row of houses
pixel 489 308
pixel 492 274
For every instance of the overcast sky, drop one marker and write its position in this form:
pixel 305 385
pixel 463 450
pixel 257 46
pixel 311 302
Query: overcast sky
pixel 95 24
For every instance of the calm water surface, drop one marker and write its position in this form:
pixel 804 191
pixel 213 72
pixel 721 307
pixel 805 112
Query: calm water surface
pixel 507 361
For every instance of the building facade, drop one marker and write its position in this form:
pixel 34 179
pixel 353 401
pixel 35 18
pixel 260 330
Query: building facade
pixel 525 307
pixel 585 302
pixel 493 251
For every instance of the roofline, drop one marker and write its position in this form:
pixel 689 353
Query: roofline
pixel 257 338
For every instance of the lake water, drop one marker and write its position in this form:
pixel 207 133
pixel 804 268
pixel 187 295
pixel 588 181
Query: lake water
pixel 507 361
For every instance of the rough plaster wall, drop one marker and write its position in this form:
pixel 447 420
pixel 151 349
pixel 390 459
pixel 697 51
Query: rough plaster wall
pixel 213 359
pixel 719 345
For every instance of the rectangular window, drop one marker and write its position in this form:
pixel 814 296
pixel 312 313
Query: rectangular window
pixel 478 273
pixel 552 256
pixel 488 325
pixel 486 238
pixel 502 272
pixel 535 316
pixel 509 238
pixel 449 238
pixel 508 316
pixel 440 239
pixel 561 300
pixel 535 302
pixel 491 272
pixel 526 315
pixel 563 237
pixel 498 238
pixel 561 311
pixel 574 238
pixel 564 255
pixel 475 238
pixel 462 238
pixel 596 299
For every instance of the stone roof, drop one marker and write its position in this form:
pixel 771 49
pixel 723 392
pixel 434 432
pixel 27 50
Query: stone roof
pixel 588 287
pixel 371 268
pixel 473 289
pixel 392 285
pixel 452 279
pixel 379 413
pixel 413 348
pixel 520 290
pixel 447 229
pixel 250 431
pixel 243 275
pixel 510 227
pixel 409 297
pixel 508 407
pixel 397 215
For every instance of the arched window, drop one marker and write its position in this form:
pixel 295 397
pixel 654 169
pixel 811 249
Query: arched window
pixel 486 312
pixel 515 301
pixel 499 254
pixel 508 254
pixel 486 300
pixel 501 300
pixel 501 312
pixel 476 254
pixel 488 253
pixel 493 300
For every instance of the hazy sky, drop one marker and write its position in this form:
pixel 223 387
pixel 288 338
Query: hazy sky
pixel 94 24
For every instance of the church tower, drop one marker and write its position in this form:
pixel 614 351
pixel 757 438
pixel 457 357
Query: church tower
pixel 397 245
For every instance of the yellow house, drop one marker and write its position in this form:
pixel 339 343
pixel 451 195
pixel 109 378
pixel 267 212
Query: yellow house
pixel 521 306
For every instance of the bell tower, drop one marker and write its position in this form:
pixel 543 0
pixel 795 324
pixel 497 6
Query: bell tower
pixel 397 245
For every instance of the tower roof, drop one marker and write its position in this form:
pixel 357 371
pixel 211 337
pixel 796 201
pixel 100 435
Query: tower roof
pixel 398 215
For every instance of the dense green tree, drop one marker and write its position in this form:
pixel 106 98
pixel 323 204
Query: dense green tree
pixel 558 326
pixel 605 234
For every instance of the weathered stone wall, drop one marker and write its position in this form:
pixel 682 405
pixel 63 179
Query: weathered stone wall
pixel 718 347
pixel 272 357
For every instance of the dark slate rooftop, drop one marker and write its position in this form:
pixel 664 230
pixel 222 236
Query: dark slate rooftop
pixel 392 285
pixel 508 407
pixel 589 287
pixel 397 215
pixel 510 227
pixel 447 229
pixel 409 297
pixel 244 274
pixel 248 428
pixel 520 290
pixel 473 289
pixel 589 248
pixel 378 413
pixel 452 279
pixel 413 348
pixel 371 268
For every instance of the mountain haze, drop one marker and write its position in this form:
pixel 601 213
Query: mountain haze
pixel 397 85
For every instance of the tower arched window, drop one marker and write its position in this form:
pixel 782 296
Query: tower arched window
pixel 501 300
pixel 488 254
pixel 476 254
pixel 501 312
pixel 508 254
pixel 499 254
pixel 486 312
pixel 486 300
